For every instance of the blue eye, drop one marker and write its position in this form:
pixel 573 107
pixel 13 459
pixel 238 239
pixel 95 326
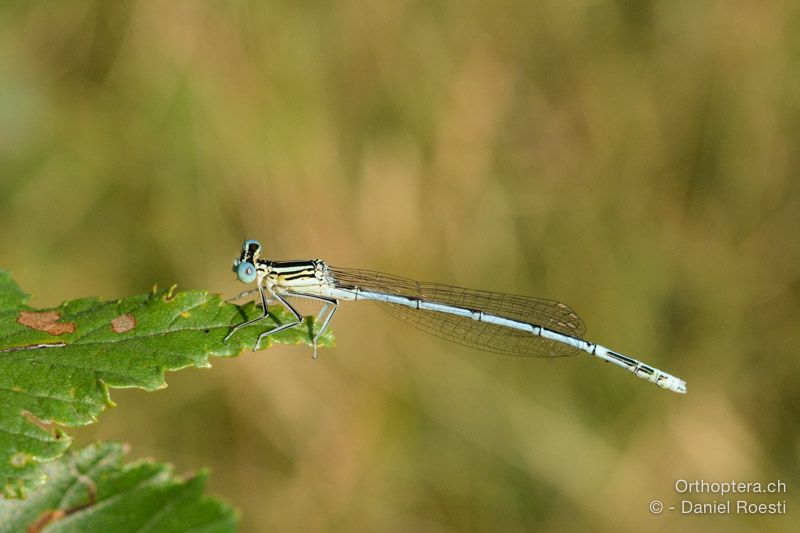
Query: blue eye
pixel 246 272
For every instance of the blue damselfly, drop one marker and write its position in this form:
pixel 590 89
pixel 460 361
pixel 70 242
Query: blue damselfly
pixel 491 321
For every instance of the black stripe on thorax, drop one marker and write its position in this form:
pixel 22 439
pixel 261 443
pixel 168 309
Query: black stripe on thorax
pixel 291 270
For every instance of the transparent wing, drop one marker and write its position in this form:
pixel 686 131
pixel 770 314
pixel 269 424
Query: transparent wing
pixel 549 314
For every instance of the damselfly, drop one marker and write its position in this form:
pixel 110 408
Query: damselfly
pixel 491 321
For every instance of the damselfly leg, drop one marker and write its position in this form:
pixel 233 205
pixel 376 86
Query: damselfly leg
pixel 326 304
pixel 253 321
pixel 245 294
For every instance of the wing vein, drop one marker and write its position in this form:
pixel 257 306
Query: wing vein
pixel 482 335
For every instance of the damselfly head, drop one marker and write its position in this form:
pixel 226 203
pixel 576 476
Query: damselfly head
pixel 244 265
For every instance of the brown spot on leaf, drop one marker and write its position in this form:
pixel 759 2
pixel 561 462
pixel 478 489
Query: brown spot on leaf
pixel 45 519
pixel 33 419
pixel 54 515
pixel 123 323
pixel 47 321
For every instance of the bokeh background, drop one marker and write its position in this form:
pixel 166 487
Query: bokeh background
pixel 638 160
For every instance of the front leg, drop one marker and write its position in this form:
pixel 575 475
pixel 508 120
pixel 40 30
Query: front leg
pixel 246 293
pixel 253 321
pixel 297 319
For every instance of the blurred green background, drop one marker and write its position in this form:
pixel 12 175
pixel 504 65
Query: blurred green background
pixel 638 160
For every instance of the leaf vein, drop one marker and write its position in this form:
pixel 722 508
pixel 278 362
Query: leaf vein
pixel 43 397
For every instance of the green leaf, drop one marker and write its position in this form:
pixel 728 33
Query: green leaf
pixel 56 365
pixel 91 490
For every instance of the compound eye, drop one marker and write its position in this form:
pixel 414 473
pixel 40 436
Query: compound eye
pixel 246 272
pixel 252 247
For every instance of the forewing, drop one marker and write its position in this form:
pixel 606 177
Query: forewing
pixel 549 314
